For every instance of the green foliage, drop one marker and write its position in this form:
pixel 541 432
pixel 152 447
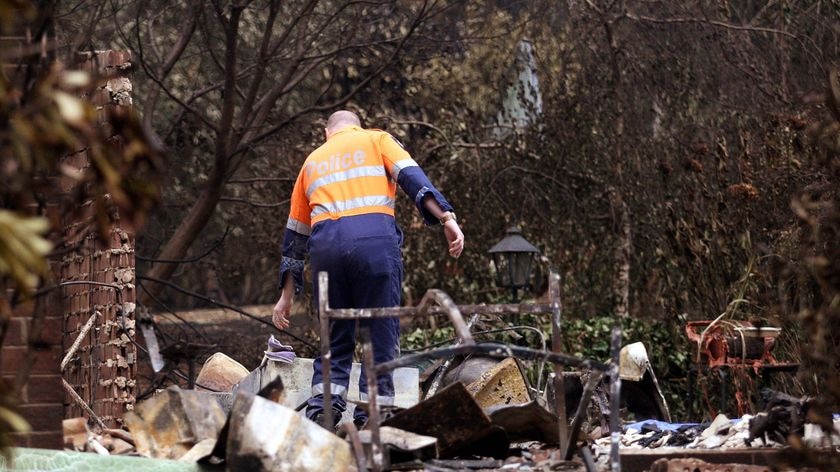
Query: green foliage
pixel 421 337
pixel 46 121
pixel 23 250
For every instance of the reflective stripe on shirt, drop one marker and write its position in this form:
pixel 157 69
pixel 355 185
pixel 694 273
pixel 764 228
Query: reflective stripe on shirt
pixel 353 204
pixel 298 227
pixel 400 165
pixel 366 171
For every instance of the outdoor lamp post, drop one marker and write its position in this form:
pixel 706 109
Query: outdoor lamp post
pixel 513 258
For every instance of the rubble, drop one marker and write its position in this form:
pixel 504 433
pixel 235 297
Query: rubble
pixel 220 373
pixel 169 424
pixel 681 465
pixel 401 446
pixel 252 421
pixel 266 436
pixel 500 385
pixel 457 421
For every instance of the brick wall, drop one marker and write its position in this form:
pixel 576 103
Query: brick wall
pixel 102 370
pixel 33 344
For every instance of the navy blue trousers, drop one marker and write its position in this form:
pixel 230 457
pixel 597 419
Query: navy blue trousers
pixel 361 254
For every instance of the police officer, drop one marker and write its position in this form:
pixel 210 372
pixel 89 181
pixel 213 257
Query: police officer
pixel 342 212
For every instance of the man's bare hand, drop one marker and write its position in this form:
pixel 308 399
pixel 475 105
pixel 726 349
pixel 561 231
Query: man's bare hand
pixel 280 317
pixel 455 237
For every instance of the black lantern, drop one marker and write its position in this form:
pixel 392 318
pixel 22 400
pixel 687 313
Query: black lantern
pixel 513 257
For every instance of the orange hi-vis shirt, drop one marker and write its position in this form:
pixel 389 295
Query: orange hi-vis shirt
pixel 354 173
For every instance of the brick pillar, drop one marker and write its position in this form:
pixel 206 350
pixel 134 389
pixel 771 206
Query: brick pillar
pixel 103 370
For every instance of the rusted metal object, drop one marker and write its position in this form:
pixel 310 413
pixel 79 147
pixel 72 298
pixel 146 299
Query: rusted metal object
pixel 526 422
pixel 442 369
pixel 557 346
pixel 170 423
pixel 455 419
pixel 732 343
pixel 266 436
pixel 568 448
pixel 356 443
pixel 326 355
pixel 615 398
pixel 412 311
pixel 376 451
pixel 443 301
pixel 495 350
pixel 446 306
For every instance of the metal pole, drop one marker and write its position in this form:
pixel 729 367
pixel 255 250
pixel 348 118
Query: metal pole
pixel 443 300
pixel 373 405
pixel 557 347
pixel 497 351
pixel 568 449
pixel 615 398
pixel 326 355
pixel 356 444
pixel 438 379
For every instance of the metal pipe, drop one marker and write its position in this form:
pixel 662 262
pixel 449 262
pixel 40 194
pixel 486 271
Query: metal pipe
pixel 557 347
pixel 373 406
pixel 615 398
pixel 356 444
pixel 406 311
pixel 78 341
pixel 495 350
pixel 451 309
pixel 326 355
pixel 588 460
pixel 75 396
pixel 442 369
pixel 568 449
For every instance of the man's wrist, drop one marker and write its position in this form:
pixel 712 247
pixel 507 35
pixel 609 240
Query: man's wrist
pixel 448 216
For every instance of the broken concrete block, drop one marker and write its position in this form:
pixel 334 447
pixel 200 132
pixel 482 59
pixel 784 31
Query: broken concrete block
pixel 76 433
pixel 457 421
pixel 170 423
pixel 503 384
pixel 199 451
pixel 297 383
pixel 526 422
pixel 220 373
pixel 401 446
pixel 116 446
pixel 266 436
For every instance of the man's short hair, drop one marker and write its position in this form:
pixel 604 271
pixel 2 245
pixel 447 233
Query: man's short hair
pixel 342 118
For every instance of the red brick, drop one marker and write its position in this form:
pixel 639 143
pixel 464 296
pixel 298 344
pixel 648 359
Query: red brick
pixel 46 361
pixel 23 309
pixel 51 330
pixel 20 440
pixel 44 389
pixel 47 439
pixel 16 334
pixel 43 416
